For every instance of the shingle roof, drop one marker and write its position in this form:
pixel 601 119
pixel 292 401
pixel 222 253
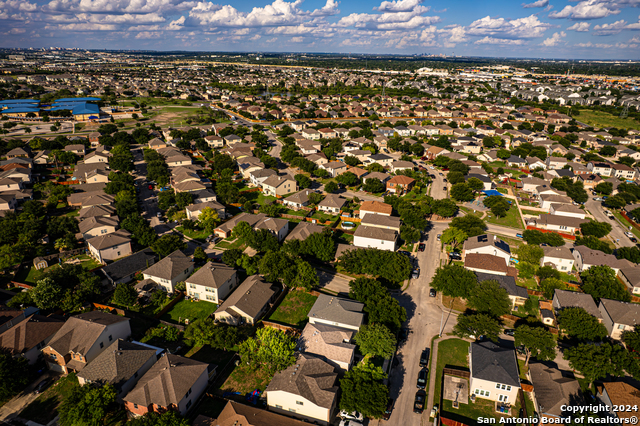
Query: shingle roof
pixel 167 381
pixel 573 299
pixel 376 233
pixel 198 207
pixel 303 230
pixel 328 342
pixel 376 207
pixel 372 219
pixel 299 197
pixel 486 240
pixel 562 252
pixel 506 282
pixel 495 364
pixel 169 267
pixel 622 312
pixel 333 201
pixel 108 240
pixel 118 363
pixel 554 388
pixel 621 393
pixel 96 222
pixel 337 309
pixel 130 264
pixel 250 297
pixel 211 275
pixel 28 333
pixel 80 332
pixel 310 378
pixel 486 262
pixel 236 414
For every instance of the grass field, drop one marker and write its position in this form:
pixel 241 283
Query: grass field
pixel 189 309
pixel 530 212
pixel 512 219
pixel 244 379
pixel 230 243
pixel 451 352
pixel 294 308
pixel 178 109
pixel 603 119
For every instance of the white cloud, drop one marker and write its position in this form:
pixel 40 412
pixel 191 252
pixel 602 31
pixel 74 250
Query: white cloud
pixel 635 26
pixel 389 20
pixel 297 39
pixel 88 26
pixel 632 44
pixel 359 42
pixel 16 10
pixel 528 27
pixel 329 9
pixel 609 29
pixel 123 6
pixel 397 6
pixel 588 9
pixel 554 39
pixel 147 35
pixel 504 41
pixel 454 34
pixel 580 27
pixel 14 31
pixel 539 3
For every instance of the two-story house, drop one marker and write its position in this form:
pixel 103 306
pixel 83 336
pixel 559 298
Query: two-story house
pixel 487 244
pixel 212 282
pixel 494 372
pixel 248 303
pixel 278 186
pixel 619 317
pixel 169 271
pixel 337 311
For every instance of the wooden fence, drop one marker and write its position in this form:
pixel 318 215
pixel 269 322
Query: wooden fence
pixel 456 373
pixel 547 231
pixel 169 306
pixel 628 219
pixel 523 403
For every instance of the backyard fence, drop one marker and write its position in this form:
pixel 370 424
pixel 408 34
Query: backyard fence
pixel 456 373
pixel 169 306
pixel 547 231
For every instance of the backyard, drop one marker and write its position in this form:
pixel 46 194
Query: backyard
pixel 294 309
pixel 245 379
pixel 32 275
pixel 189 309
pixel 44 408
pixel 451 352
pixel 512 219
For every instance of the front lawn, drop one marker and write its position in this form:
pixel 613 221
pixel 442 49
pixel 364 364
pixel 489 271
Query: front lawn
pixel 512 219
pixel 189 309
pixel 230 243
pixel 625 223
pixel 195 234
pixel 451 352
pixel 294 309
pixel 44 408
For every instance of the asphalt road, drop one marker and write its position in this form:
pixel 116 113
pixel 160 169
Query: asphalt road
pixel 424 318
pixel 437 185
pixel 617 231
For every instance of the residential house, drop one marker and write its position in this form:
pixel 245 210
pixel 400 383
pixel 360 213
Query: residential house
pixel 298 200
pixel 235 414
pixel 563 299
pixel 517 295
pixel 487 263
pixel 553 391
pixel 375 237
pixel 567 210
pixel 381 221
pixel 400 184
pixel 170 271
pixel 586 258
pixel 549 199
pixel 334 168
pixel 109 246
pixel 278 186
pixel 172 383
pixel 622 171
pixel 259 175
pixel 95 226
pixel 494 372
pixel 248 303
pixel 401 165
pixel 375 207
pixel 487 244
pixel 619 394
pixel 212 282
pixel 563 224
pixel 559 258
pixel 619 317
pixel 29 336
pixel 278 227
pixel 331 344
pixel 555 163
pixel 337 312
pixel 630 276
pixel 125 269
pixel 304 230
pixel 382 159
pixel 194 210
pixel 82 338
pixel 332 203
pixel 600 169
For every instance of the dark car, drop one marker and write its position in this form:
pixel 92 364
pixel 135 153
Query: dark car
pixel 404 333
pixel 455 256
pixel 42 385
pixel 389 409
pixel 509 332
pixel 422 378
pixel 421 246
pixel 424 358
pixel 432 292
pixel 444 180
pixel 418 403
pixel 406 253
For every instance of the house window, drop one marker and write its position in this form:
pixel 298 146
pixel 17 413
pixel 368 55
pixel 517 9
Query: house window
pixel 135 406
pixel 292 410
pixel 620 326
pixel 498 386
pixel 279 406
pixel 110 337
pixel 101 345
pixel 299 403
pixel 209 290
pixel 188 393
pixel 135 374
pixel 118 254
pixel 210 297
pixel 188 404
pixel 53 356
pixel 192 286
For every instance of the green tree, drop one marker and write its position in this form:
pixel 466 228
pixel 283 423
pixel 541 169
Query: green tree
pixel 331 187
pixel 200 255
pixel 167 244
pixel 378 303
pixel 184 199
pixel 605 188
pixel 550 285
pixel 167 418
pixel 47 294
pixel 376 340
pixel 545 272
pixel 348 179
pixel 632 339
pixel 125 295
pixel 373 185
pixel 303 181
pixel 14 374
pixel 306 276
pixel 230 257
pixel 596 361
pixel 362 390
pixel 537 341
pixel 321 246
pixel 615 202
pixel 453 236
pixel 242 230
pixel 454 280
pixel 469 224
pixel 475 184
pixel 271 349
pixel 632 254
pixel 88 405
pixel 596 229
pixel 601 283
pixel 488 297
pixel 208 219
pixel 530 253
pixel 594 244
pixel 476 325
pixel 461 192
pixel 579 324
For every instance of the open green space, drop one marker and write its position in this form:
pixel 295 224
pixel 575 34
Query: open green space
pixel 33 275
pixel 189 309
pixel 178 109
pixel 451 352
pixel 512 219
pixel 322 217
pixel 294 308
pixel 604 119
pixel 44 408
pixel 531 212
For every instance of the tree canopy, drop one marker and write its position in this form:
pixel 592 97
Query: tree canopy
pixel 390 266
pixel 537 341
pixel 378 303
pixel 376 340
pixel 270 349
pixel 579 324
pixel 489 298
pixel 454 280
pixel 601 283
pixel 476 325
pixel 363 391
pixel 469 224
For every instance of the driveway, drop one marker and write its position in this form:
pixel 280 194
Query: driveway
pixel 11 409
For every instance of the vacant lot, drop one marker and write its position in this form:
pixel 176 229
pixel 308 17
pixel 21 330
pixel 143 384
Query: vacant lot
pixel 512 219
pixel 603 119
pixel 294 308
pixel 451 352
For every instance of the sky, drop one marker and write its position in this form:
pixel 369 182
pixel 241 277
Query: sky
pixel 562 29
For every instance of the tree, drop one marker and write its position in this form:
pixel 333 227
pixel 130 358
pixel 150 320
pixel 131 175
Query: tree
pixel 488 297
pixel 547 271
pixel 306 276
pixel 475 184
pixel 125 295
pixel 469 224
pixel 605 188
pixel 87 405
pixel 363 391
pixel 152 418
pixel 454 280
pixel 270 349
pixel 537 341
pixel 630 253
pixel 581 325
pixel 601 283
pixel 205 332
pixel 453 236
pixel 47 294
pixel 373 185
pixel 596 361
pixel 476 325
pixel 321 246
pixel 530 253
pixel 596 229
pixel 184 199
pixel 376 340
pixel 615 202
pixel 550 285
pixel 348 179
pixel 388 266
pixel 534 237
pixel 594 244
pixel 208 219
pixel 445 207
pixel 378 303
pixel 14 374
pixel 461 192
pixel 331 187
pixel 303 181
pixel 632 339
pixel 230 257
pixel 167 244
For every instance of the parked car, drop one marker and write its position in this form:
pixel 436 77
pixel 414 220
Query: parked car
pixel 415 274
pixel 159 214
pixel 439 235
pixel 444 180
pixel 519 235
pixel 345 422
pixel 389 409
pixel 424 358
pixel 404 333
pixel 509 332
pixel 42 385
pixel 432 292
pixel 454 255
pixel 597 199
pixel 351 416
pixel 628 234
pixel 418 403
pixel 421 246
pixel 406 253
pixel 422 378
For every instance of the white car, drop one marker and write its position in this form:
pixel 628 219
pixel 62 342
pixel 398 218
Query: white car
pixel 345 422
pixel 351 416
pixel 628 234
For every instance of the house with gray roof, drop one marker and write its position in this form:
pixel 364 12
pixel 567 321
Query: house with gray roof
pixel 170 270
pixel 560 258
pixel 381 221
pixel 619 317
pixel 194 210
pixel 248 303
pixel 110 246
pixel 337 311
pixel 307 390
pixel 278 227
pixel 212 282
pixel 124 270
pixel 235 414
pixel 563 299
pixel 331 343
pixel 554 389
pixel 375 237
pixel 332 203
pixel 494 372
pixel 518 295
pixel 303 230
pixel 585 258
pixel 29 336
pixel 297 200
pixel 120 365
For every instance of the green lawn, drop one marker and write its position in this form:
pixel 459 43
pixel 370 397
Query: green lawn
pixel 323 217
pixel 44 408
pixel 245 379
pixel 294 308
pixel 451 352
pixel 604 119
pixel 178 109
pixel 512 219
pixel 230 243
pixel 523 369
pixel 469 413
pixel 502 190
pixel 626 224
pixel 189 309
pixel 196 234
pixel 34 275
pixel 530 212
pixel 301 213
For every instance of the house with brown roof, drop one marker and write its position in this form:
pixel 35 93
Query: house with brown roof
pixel 304 230
pixel 248 303
pixel 109 246
pixel 330 343
pixel 400 184
pixel 212 282
pixel 332 203
pixel 278 227
pixel 487 263
pixel 375 237
pixel 585 258
pixel 619 317
pixel 557 223
pixel 235 414
pixel 28 337
pixel 307 390
pixel 554 390
pixel 619 394
pixel 82 338
pixel 375 207
pixel 169 271
pixel 172 383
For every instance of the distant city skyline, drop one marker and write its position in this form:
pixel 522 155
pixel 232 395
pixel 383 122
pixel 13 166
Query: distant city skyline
pixel 588 29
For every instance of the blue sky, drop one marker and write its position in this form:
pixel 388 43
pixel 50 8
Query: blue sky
pixel 588 29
